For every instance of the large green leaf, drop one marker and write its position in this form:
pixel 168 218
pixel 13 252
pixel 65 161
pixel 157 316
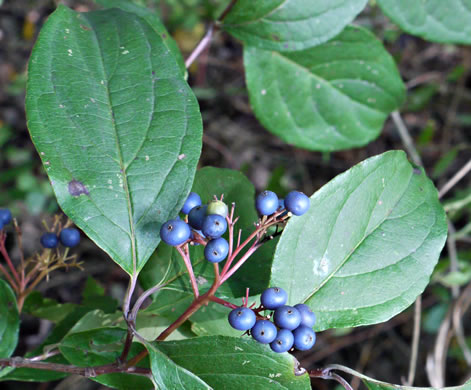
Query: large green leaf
pixel 9 320
pixel 290 24
pixel 168 375
pixel 434 20
pixel 367 246
pixel 116 125
pixel 235 363
pixel 153 20
pixel 334 96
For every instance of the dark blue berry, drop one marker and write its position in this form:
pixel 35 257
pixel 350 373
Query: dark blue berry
pixel 287 317
pixel 264 331
pixel 5 216
pixel 242 318
pixel 196 217
pixel 217 207
pixel 192 201
pixel 304 338
pixel 273 298
pixel 49 240
pixel 308 318
pixel 216 250
pixel 214 226
pixel 69 237
pixel 266 203
pixel 283 342
pixel 297 203
pixel 175 232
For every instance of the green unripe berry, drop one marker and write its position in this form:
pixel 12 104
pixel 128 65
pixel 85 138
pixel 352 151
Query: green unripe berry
pixel 217 207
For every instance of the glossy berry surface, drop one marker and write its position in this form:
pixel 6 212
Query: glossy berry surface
pixel 196 217
pixel 5 217
pixel 214 226
pixel 175 232
pixel 264 331
pixel 287 317
pixel 274 297
pixel 266 203
pixel 304 338
pixel 69 237
pixel 283 342
pixel 297 203
pixel 49 240
pixel 192 201
pixel 308 318
pixel 217 207
pixel 216 250
pixel 242 318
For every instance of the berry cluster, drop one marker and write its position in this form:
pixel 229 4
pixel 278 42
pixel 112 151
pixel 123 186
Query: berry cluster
pixel 295 202
pixel 68 237
pixel 207 221
pixel 291 326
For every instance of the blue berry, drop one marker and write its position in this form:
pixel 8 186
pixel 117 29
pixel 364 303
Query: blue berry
pixel 266 203
pixel 281 204
pixel 297 203
pixel 308 318
pixel 214 226
pixel 175 232
pixel 273 297
pixel 49 240
pixel 216 250
pixel 242 318
pixel 196 217
pixel 264 331
pixel 5 217
pixel 283 342
pixel 192 201
pixel 304 338
pixel 69 237
pixel 217 207
pixel 287 317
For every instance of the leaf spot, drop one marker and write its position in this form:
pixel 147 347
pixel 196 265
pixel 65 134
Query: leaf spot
pixel 201 280
pixel 83 27
pixel 263 91
pixel 181 156
pixel 147 158
pixel 70 52
pixel 318 86
pixel 245 362
pixel 92 100
pixel 67 31
pixel 76 188
pixel 236 348
pixel 125 52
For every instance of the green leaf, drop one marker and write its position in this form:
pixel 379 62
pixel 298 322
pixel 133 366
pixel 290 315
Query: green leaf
pixel 334 96
pixel 98 339
pixel 9 320
pixel 377 228
pixel 49 309
pixel 290 24
pixel 168 375
pixel 434 20
pixel 153 20
pixel 235 363
pixel 116 125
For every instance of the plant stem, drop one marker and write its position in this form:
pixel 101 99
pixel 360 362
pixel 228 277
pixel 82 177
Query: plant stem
pixel 223 302
pixel 326 373
pixel 189 268
pixel 455 179
pixel 227 10
pixel 406 138
pixel 4 252
pixel 128 296
pixel 204 43
pixel 9 278
pixel 88 372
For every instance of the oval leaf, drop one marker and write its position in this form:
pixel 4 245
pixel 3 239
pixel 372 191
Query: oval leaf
pixel 234 363
pixel 435 20
pixel 117 127
pixel 290 24
pixel 335 96
pixel 9 320
pixel 367 246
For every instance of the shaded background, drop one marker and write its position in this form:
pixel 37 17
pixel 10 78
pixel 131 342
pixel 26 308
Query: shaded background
pixel 436 113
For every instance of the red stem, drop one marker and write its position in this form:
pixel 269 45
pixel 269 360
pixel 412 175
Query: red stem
pixel 7 258
pixel 189 267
